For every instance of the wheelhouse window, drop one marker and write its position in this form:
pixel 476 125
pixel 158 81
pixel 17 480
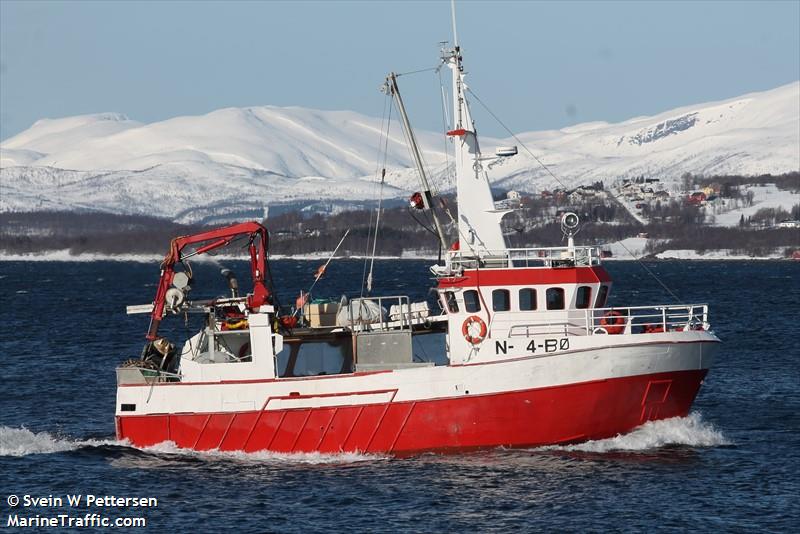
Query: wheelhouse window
pixel 555 298
pixel 450 300
pixel 501 300
pixel 527 299
pixel 583 297
pixel 602 296
pixel 471 301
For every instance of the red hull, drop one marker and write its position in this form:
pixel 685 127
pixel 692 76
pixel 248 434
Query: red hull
pixel 563 414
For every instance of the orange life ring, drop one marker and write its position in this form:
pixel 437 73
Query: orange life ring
pixel 613 322
pixel 465 329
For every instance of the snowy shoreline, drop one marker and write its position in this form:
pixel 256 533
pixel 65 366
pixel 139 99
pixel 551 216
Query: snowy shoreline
pixel 66 256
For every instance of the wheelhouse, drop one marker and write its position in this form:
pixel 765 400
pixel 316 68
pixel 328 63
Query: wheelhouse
pixel 561 291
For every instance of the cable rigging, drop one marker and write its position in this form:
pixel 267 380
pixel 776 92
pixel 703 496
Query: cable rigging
pixel 380 170
pixel 547 169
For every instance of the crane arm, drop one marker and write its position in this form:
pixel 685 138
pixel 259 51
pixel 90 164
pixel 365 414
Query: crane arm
pixel 211 240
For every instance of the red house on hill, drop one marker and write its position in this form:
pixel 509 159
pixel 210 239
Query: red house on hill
pixel 696 198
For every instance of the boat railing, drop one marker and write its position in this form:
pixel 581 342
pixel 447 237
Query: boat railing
pixel 616 320
pixel 525 257
pixel 564 328
pixel 647 319
pixel 392 312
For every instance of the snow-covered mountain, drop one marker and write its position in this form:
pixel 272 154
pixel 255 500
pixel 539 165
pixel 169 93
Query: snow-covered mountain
pixel 192 168
pixel 754 134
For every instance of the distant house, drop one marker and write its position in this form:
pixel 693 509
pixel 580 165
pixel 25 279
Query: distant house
pixel 588 190
pixel 581 193
pixel 661 195
pixel 709 191
pixel 788 224
pixel 513 195
pixel 631 189
pixel 697 198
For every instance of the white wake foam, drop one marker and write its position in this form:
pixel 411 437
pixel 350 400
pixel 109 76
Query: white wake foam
pixel 313 458
pixel 689 431
pixel 22 442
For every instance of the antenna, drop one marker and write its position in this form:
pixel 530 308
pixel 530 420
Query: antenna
pixel 453 13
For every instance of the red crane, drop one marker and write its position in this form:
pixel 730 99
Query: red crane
pixel 214 239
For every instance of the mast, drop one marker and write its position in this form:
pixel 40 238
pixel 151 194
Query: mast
pixel 478 219
pixel 427 197
pixel 453 14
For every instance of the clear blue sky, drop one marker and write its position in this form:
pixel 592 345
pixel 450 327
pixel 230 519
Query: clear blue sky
pixel 539 65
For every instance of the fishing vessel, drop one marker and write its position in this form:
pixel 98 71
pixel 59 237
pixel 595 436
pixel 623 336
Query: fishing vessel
pixel 519 350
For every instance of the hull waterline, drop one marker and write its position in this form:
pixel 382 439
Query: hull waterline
pixel 550 415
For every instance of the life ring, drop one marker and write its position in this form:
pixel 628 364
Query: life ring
pixel 467 326
pixel 613 322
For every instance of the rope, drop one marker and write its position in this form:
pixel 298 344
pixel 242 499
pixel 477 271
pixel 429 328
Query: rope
pixel 377 227
pixel 512 134
pixel 422 224
pixel 546 168
pixel 367 283
pixel 416 71
pixel 431 180
pixel 651 273
pixel 386 102
pixel 445 128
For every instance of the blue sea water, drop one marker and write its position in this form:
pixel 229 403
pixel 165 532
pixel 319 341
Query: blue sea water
pixel 732 465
